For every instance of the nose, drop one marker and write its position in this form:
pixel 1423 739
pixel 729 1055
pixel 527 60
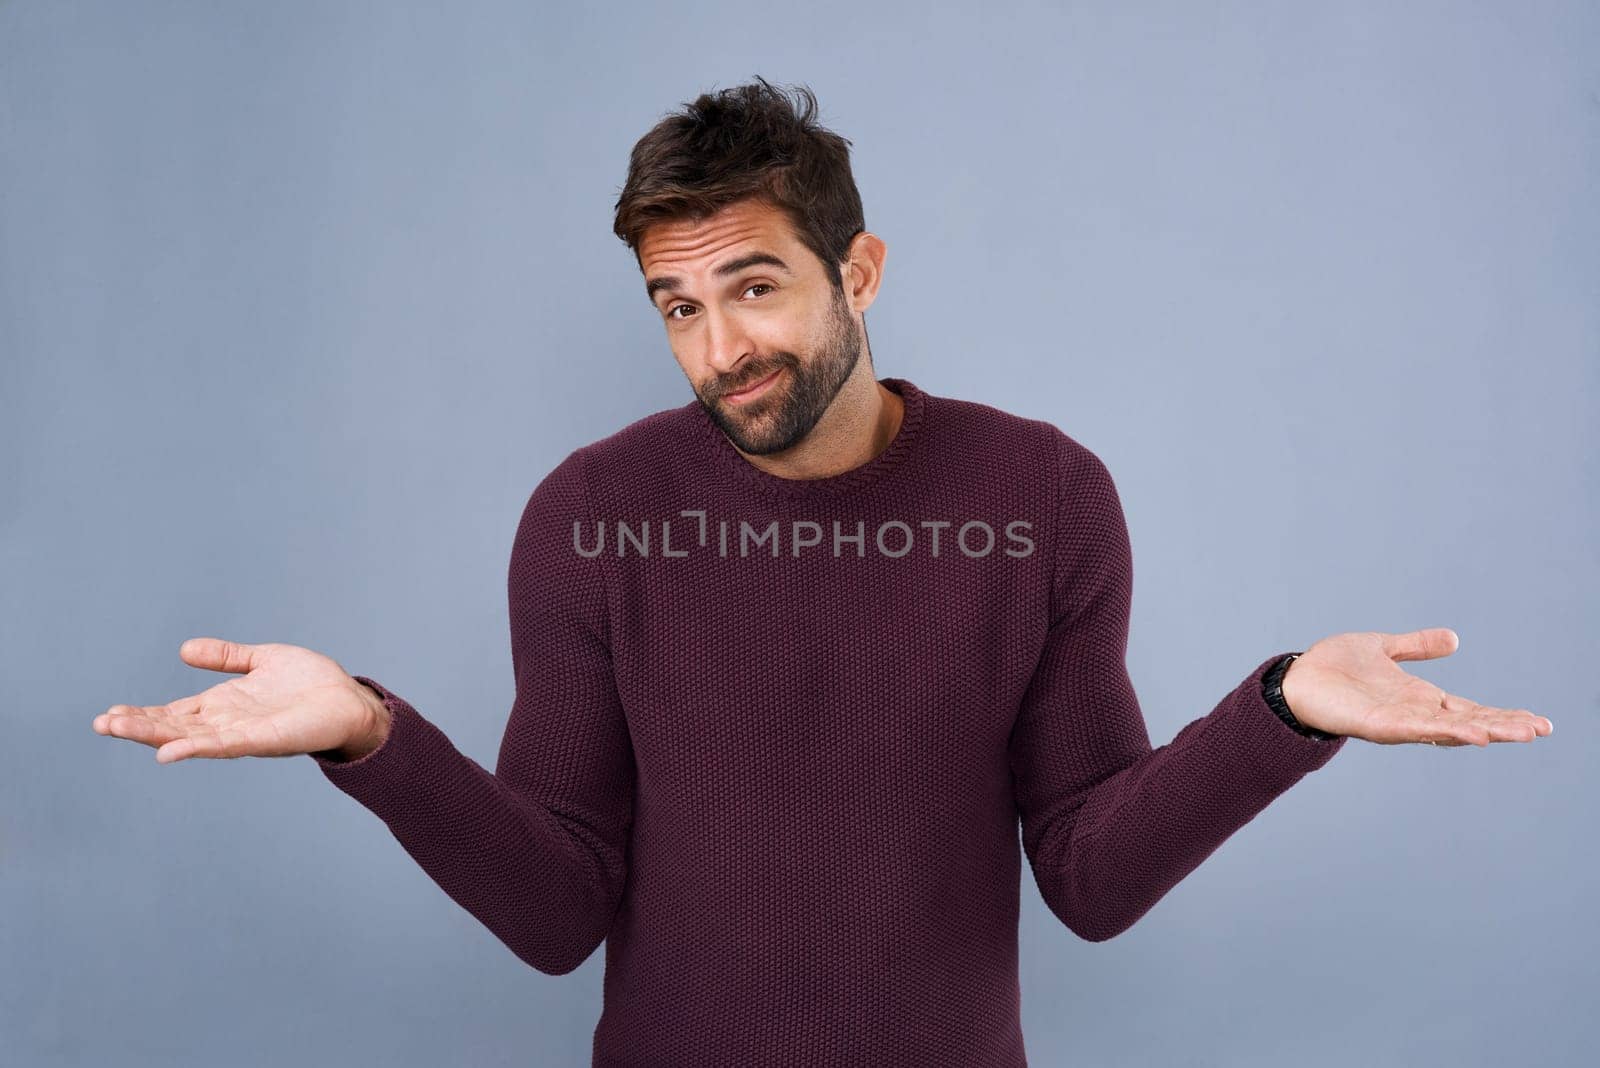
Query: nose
pixel 727 342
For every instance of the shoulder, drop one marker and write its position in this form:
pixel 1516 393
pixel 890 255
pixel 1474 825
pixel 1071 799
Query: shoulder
pixel 648 445
pixel 1066 465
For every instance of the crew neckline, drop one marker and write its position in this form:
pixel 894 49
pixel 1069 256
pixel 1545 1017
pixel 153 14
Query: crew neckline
pixel 778 487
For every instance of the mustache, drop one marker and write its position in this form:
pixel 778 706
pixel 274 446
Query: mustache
pixel 749 380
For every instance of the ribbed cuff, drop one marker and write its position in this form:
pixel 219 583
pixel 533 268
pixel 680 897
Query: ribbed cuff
pixel 1282 754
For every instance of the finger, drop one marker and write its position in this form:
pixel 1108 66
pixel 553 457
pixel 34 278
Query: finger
pixel 1456 731
pixel 137 725
pixel 1427 644
pixel 177 711
pixel 1460 721
pixel 1456 703
pixel 217 654
pixel 225 743
pixel 1507 728
pixel 1440 731
pixel 1447 723
pixel 1500 724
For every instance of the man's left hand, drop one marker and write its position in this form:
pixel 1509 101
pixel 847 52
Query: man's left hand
pixel 1350 684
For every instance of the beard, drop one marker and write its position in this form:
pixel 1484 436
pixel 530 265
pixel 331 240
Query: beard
pixel 791 406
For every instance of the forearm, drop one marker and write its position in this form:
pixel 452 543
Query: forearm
pixel 1140 831
pixel 544 886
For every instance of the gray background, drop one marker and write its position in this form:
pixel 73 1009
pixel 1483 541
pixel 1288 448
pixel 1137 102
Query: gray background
pixel 298 302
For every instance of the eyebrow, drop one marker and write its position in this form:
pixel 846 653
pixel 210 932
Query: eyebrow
pixel 673 282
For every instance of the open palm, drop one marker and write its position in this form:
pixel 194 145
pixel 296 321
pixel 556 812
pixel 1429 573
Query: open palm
pixel 1352 684
pixel 287 700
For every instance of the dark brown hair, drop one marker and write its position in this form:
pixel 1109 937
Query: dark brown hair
pixel 750 140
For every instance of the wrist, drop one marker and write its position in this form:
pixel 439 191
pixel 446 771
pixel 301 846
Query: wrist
pixel 1275 690
pixel 375 724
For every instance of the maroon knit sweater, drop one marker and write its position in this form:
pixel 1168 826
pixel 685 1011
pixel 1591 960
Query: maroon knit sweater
pixel 771 743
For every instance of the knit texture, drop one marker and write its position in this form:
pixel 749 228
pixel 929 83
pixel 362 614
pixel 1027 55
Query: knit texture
pixel 783 783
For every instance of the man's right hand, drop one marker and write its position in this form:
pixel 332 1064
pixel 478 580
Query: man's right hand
pixel 287 701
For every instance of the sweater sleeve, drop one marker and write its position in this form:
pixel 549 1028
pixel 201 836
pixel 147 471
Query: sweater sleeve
pixel 537 851
pixel 1110 824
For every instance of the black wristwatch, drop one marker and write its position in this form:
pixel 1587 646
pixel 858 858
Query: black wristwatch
pixel 1272 690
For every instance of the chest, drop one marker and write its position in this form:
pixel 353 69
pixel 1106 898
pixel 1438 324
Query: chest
pixel 895 649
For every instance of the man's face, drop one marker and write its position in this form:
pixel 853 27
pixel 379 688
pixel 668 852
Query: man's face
pixel 737 319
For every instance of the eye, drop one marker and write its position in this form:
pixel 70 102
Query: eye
pixel 757 285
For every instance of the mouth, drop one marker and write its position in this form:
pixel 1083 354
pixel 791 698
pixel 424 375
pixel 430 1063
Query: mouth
pixel 753 390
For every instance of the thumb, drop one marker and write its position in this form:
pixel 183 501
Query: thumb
pixel 1426 644
pixel 216 654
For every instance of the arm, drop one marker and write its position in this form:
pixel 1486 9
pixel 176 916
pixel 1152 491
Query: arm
pixel 1110 824
pixel 537 851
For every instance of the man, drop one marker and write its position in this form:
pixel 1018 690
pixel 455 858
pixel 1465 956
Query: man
pixel 793 659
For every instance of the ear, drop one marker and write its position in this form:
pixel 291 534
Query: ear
pixel 862 270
